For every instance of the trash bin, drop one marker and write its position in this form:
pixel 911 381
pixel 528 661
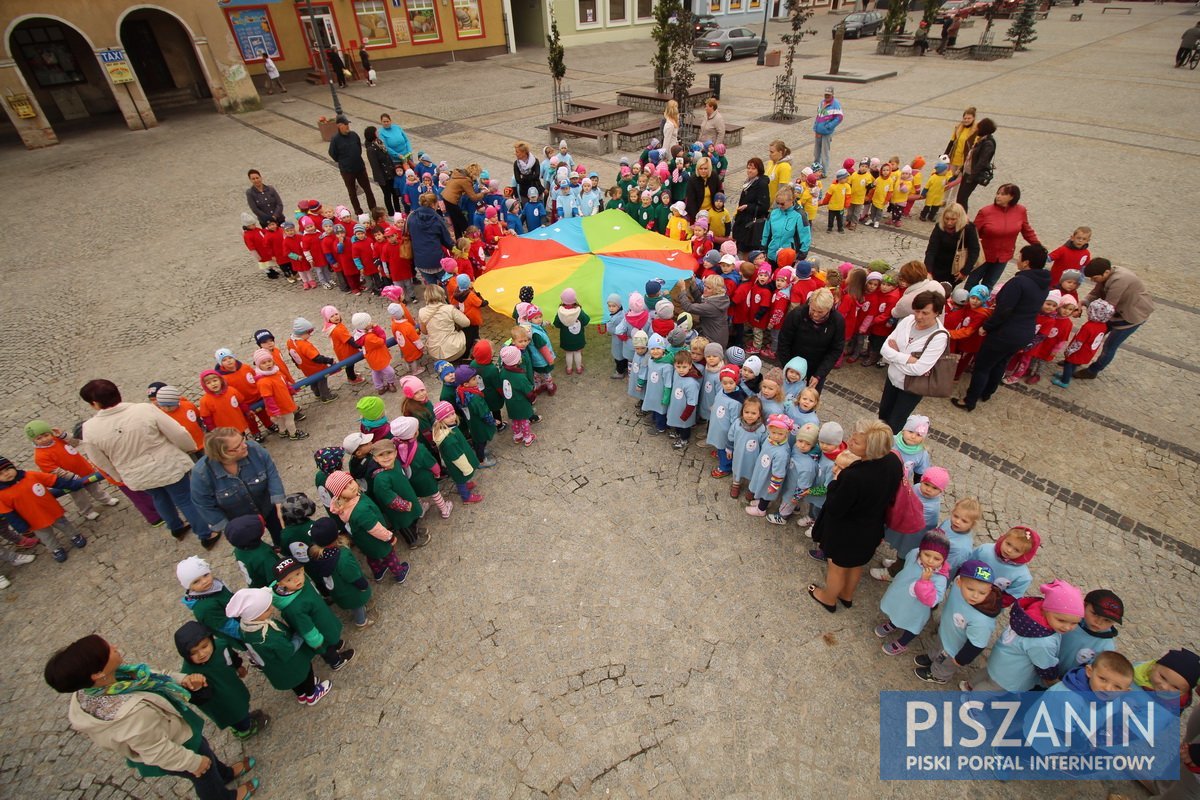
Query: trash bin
pixel 714 83
pixel 773 58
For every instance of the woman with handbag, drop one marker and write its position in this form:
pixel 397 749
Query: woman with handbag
pixel 754 203
pixel 977 168
pixel 953 246
pixel 911 352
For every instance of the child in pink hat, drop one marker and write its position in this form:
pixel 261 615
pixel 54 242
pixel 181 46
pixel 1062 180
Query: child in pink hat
pixel 571 321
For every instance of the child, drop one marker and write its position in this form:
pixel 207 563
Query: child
pixel 881 193
pixel 373 341
pixel 305 355
pixel 745 442
pixel 470 402
pixel 934 191
pixel 910 444
pixel 1068 284
pixel 801 474
pixel 852 307
pixel 684 400
pixel 343 348
pixel 27 504
pixel 901 189
pixel 918 181
pixel 724 413
pixel 879 313
pixel 396 255
pixel 831 442
pixel 780 303
pixel 837 198
pixel 541 353
pixel 770 391
pixel 286 663
pixel 677 224
pixel 518 394
pixel 468 301
pixel 916 590
pixel 533 212
pixel 373 419
pixel 720 221
pixel 1176 672
pixel 53 454
pixel 566 204
pixel 1055 332
pixel 419 465
pixel 794 373
pixel 289 251
pixel 933 484
pixel 1026 655
pixel 759 300
pixel 752 375
pixel 489 375
pixel 224 699
pixel 206 597
pixel 770 470
pixel 255 559
pixel 395 496
pixel 571 321
pixel 803 410
pixel 964 325
pixel 1019 365
pixel 339 572
pixel 306 613
pixel 456 452
pixel 659 373
pixel 277 396
pixel 616 316
pixel 639 370
pixel 966 625
pixel 1008 559
pixel 1087 342
pixel 256 242
pixel 171 402
pixel 404 330
pixel 710 366
pixel 957 529
pixel 806 282
pixel 365 522
pixel 858 182
pixel 1102 612
pixel 1074 254
pixel 241 377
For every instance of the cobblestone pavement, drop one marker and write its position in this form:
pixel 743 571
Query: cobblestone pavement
pixel 608 622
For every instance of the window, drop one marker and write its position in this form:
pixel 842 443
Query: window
pixel 46 53
pixel 468 20
pixel 753 4
pixel 373 27
pixel 422 20
pixel 735 6
pixel 714 6
pixel 645 10
pixel 617 12
pixel 586 13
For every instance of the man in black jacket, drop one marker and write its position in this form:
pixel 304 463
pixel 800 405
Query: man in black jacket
pixel 347 150
pixel 816 332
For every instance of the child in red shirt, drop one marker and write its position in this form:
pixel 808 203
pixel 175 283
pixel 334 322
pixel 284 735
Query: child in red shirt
pixel 964 323
pixel 274 236
pixel 53 454
pixel 172 403
pixel 362 257
pixel 879 308
pixel 739 304
pixel 759 300
pixel 1074 254
pixel 399 268
pixel 476 251
pixel 1055 332
pixel 308 359
pixel 851 308
pixel 277 395
pixel 806 281
pixel 310 248
pixel 291 251
pixel 343 248
pixel 27 504
pixel 1020 364
pixel 1087 342
pixel 407 338
pixel 343 348
pixel 780 301
pixel 256 242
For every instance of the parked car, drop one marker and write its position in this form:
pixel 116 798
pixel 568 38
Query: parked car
pixel 859 24
pixel 725 44
pixel 981 7
pixel 703 23
pixel 952 9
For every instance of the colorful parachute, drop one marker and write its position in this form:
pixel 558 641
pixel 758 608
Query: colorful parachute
pixel 595 256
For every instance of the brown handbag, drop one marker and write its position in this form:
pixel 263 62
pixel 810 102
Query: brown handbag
pixel 939 380
pixel 960 256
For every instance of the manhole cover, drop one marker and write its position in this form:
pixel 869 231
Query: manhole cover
pixel 792 121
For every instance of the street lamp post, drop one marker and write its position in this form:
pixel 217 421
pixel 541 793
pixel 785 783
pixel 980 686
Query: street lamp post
pixel 762 43
pixel 312 18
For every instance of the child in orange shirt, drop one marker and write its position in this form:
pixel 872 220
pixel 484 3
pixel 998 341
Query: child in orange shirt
pixel 241 377
pixel 26 504
pixel 343 348
pixel 412 349
pixel 266 340
pixel 222 406
pixel 373 341
pixel 54 455
pixel 305 355
pixel 172 403
pixel 276 395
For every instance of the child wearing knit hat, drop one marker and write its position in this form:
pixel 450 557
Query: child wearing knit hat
pixel 761 294
pixel 932 486
pixel 206 596
pixel 724 413
pixel 571 321
pixel 286 665
pixel 967 622
pixel 616 316
pixel 393 492
pixel 422 469
pixel 831 443
pixel 276 396
pixel 373 419
pixel 255 559
pixel 801 474
pixel 54 452
pixel 27 504
pixel 225 699
pixel 304 354
pixel 456 452
pixel 407 336
pixel 660 373
pixel 467 300
pixel 638 371
pixel 484 363
pixel 540 352
pixel 470 403
pixel 916 590
pixel 445 372
pixel 1087 343
pixel 339 334
pixel 710 366
pixel 518 394
pixel 770 469
pixel 1009 559
pixel 365 522
pixel 339 572
pixel 1177 671
pixel 170 401
pixel 372 339
pixel 1026 655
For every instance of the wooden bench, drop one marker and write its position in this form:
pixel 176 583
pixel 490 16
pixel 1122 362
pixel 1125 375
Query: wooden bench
pixel 637 135
pixel 605 118
pixel 561 130
pixel 691 132
pixel 1122 9
pixel 649 100
pixel 575 106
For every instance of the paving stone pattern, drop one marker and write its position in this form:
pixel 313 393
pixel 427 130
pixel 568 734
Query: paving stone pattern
pixel 608 623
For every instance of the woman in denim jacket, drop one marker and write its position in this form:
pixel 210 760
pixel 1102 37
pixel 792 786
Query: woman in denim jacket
pixel 236 477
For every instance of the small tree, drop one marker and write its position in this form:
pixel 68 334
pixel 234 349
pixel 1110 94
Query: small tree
pixel 897 15
pixel 554 59
pixel 930 15
pixel 664 12
pixel 1021 32
pixel 682 36
pixel 797 16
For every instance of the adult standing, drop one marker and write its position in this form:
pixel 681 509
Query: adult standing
pixel 264 200
pixel 461 184
pixel 701 188
pixel 1187 43
pixel 829 116
pixel 977 166
pixel 850 526
pixel 670 126
pixel 383 169
pixel 754 204
pixel 786 226
pixel 710 311
pixel 914 279
pixel 526 172
pixel 395 140
pixel 712 128
pixel 346 149
pixel 443 325
pixel 956 148
pixel 912 349
pixel 779 166
pixel 141 447
pixel 998 226
pixel 272 71
pixel 429 237
pixel 234 478
pixel 1011 326
pixel 337 66
pixel 952 232
pixel 142 716
pixel 816 332
pixel 1131 303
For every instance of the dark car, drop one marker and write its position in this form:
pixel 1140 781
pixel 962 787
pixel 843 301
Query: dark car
pixel 703 23
pixel 725 44
pixel 862 23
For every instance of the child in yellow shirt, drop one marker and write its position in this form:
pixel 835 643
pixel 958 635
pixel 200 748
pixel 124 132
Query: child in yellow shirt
pixel 881 193
pixel 858 183
pixel 934 192
pixel 837 198
pixel 677 225
pixel 719 219
pixel 809 197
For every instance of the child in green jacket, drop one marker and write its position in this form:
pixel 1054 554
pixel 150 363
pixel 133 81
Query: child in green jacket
pixel 367 528
pixel 287 661
pixel 482 361
pixel 571 321
pixel 339 571
pixel 419 465
pixel 206 597
pixel 295 540
pixel 456 451
pixel 481 425
pixel 256 559
pixel 302 608
pixel 518 395
pixel 391 490
pixel 225 699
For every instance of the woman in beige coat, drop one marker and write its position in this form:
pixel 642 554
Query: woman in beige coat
pixel 442 324
pixel 142 716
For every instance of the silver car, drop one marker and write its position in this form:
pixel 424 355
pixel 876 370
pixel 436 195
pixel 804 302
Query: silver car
pixel 725 44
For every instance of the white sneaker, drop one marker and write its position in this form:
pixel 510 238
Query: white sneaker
pixel 92 515
pixel 112 501
pixel 875 224
pixel 805 522
pixel 4 582
pixel 880 574
pixel 887 562
pixel 21 559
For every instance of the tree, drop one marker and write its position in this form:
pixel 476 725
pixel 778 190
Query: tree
pixel 930 15
pixel 1021 32
pixel 897 15
pixel 664 14
pixel 554 59
pixel 797 16
pixel 682 36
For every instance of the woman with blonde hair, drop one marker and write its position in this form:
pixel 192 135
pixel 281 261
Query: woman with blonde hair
pixel 816 332
pixel 956 148
pixel 526 172
pixel 670 126
pixel 779 166
pixel 443 325
pixel 952 231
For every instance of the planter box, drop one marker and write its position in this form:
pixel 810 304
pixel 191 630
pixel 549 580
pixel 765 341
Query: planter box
pixel 773 58
pixel 327 129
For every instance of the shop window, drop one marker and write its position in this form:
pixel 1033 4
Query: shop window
pixel 373 27
pixel 423 21
pixel 468 19
pixel 45 51
pixel 587 13
pixel 253 32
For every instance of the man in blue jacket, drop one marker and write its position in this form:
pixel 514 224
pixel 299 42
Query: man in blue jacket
pixel 829 116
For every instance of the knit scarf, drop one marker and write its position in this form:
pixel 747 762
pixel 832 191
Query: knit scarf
pixel 372 424
pixel 216 587
pixel 139 678
pixel 526 166
pixel 464 393
pixel 406 451
pixel 908 449
pixel 637 319
pixel 271 370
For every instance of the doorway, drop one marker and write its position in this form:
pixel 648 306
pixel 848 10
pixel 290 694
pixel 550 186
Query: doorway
pixel 319 31
pixel 146 56
pixel 529 23
pixel 60 67
pixel 163 57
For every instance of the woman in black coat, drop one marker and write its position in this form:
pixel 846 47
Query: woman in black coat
pixel 754 204
pixel 383 169
pixel 943 245
pixel 701 188
pixel 526 172
pixel 977 169
pixel 851 524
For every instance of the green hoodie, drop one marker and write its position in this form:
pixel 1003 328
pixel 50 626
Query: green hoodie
pixel 257 564
pixel 308 615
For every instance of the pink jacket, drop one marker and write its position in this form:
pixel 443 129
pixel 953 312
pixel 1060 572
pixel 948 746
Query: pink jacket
pixel 926 592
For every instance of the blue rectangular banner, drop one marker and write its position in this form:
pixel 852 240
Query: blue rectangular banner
pixel 1033 736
